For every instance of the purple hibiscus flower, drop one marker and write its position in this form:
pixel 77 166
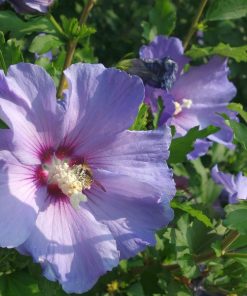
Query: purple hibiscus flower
pixel 196 97
pixel 78 191
pixel 235 186
pixel 30 6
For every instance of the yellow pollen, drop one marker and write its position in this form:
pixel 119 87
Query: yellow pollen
pixel 186 103
pixel 178 108
pixel 71 180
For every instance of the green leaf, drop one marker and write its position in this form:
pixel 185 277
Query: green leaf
pixel 43 43
pixel 141 119
pixel 216 246
pixel 239 54
pixel 73 28
pixel 2 63
pixel 10 53
pixel 180 147
pixel 237 220
pixel 192 212
pixel 239 109
pixel 205 188
pixel 10 22
pixel 233 207
pixel 162 19
pixel 226 9
pixel 240 132
pixel 135 290
pixel 157 115
pixel 188 266
pixel 86 31
pixel 18 284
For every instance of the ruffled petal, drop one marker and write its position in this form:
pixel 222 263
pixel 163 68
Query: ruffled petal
pixel 135 188
pixel 28 106
pixel 97 97
pixel 140 156
pixel 206 85
pixel 6 136
pixel 200 148
pixel 241 183
pixel 71 245
pixel 39 5
pixel 227 181
pixel 209 89
pixel 20 200
pixel 30 6
pixel 162 47
pixel 151 98
pixel 130 210
pixel 184 121
pixel 236 186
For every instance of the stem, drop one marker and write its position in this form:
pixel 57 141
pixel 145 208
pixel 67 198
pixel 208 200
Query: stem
pixel 2 63
pixel 229 239
pixel 56 25
pixel 233 254
pixel 86 11
pixel 72 46
pixel 194 24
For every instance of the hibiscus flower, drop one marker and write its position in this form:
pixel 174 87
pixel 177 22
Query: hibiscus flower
pixel 78 191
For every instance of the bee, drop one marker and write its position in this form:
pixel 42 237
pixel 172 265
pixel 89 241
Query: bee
pixel 85 171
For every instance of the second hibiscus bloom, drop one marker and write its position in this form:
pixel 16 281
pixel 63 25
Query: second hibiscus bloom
pixel 196 98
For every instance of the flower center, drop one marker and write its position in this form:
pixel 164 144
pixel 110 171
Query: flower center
pixel 186 103
pixel 71 180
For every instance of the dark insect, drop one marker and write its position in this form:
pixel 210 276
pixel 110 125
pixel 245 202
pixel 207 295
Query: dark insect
pixel 159 73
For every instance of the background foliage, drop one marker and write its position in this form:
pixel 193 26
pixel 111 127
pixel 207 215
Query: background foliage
pixel 192 256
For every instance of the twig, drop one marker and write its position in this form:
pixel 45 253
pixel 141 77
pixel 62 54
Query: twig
pixel 72 46
pixel 194 24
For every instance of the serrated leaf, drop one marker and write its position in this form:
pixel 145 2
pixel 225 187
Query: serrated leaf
pixel 192 212
pixel 86 31
pixel 239 54
pixel 188 266
pixel 141 119
pixel 226 9
pixel 43 43
pixel 73 28
pixel 239 109
pixel 181 146
pixel 10 53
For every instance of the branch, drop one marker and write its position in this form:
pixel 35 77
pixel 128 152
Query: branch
pixel 194 24
pixel 72 47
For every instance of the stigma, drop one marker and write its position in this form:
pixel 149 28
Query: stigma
pixel 186 103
